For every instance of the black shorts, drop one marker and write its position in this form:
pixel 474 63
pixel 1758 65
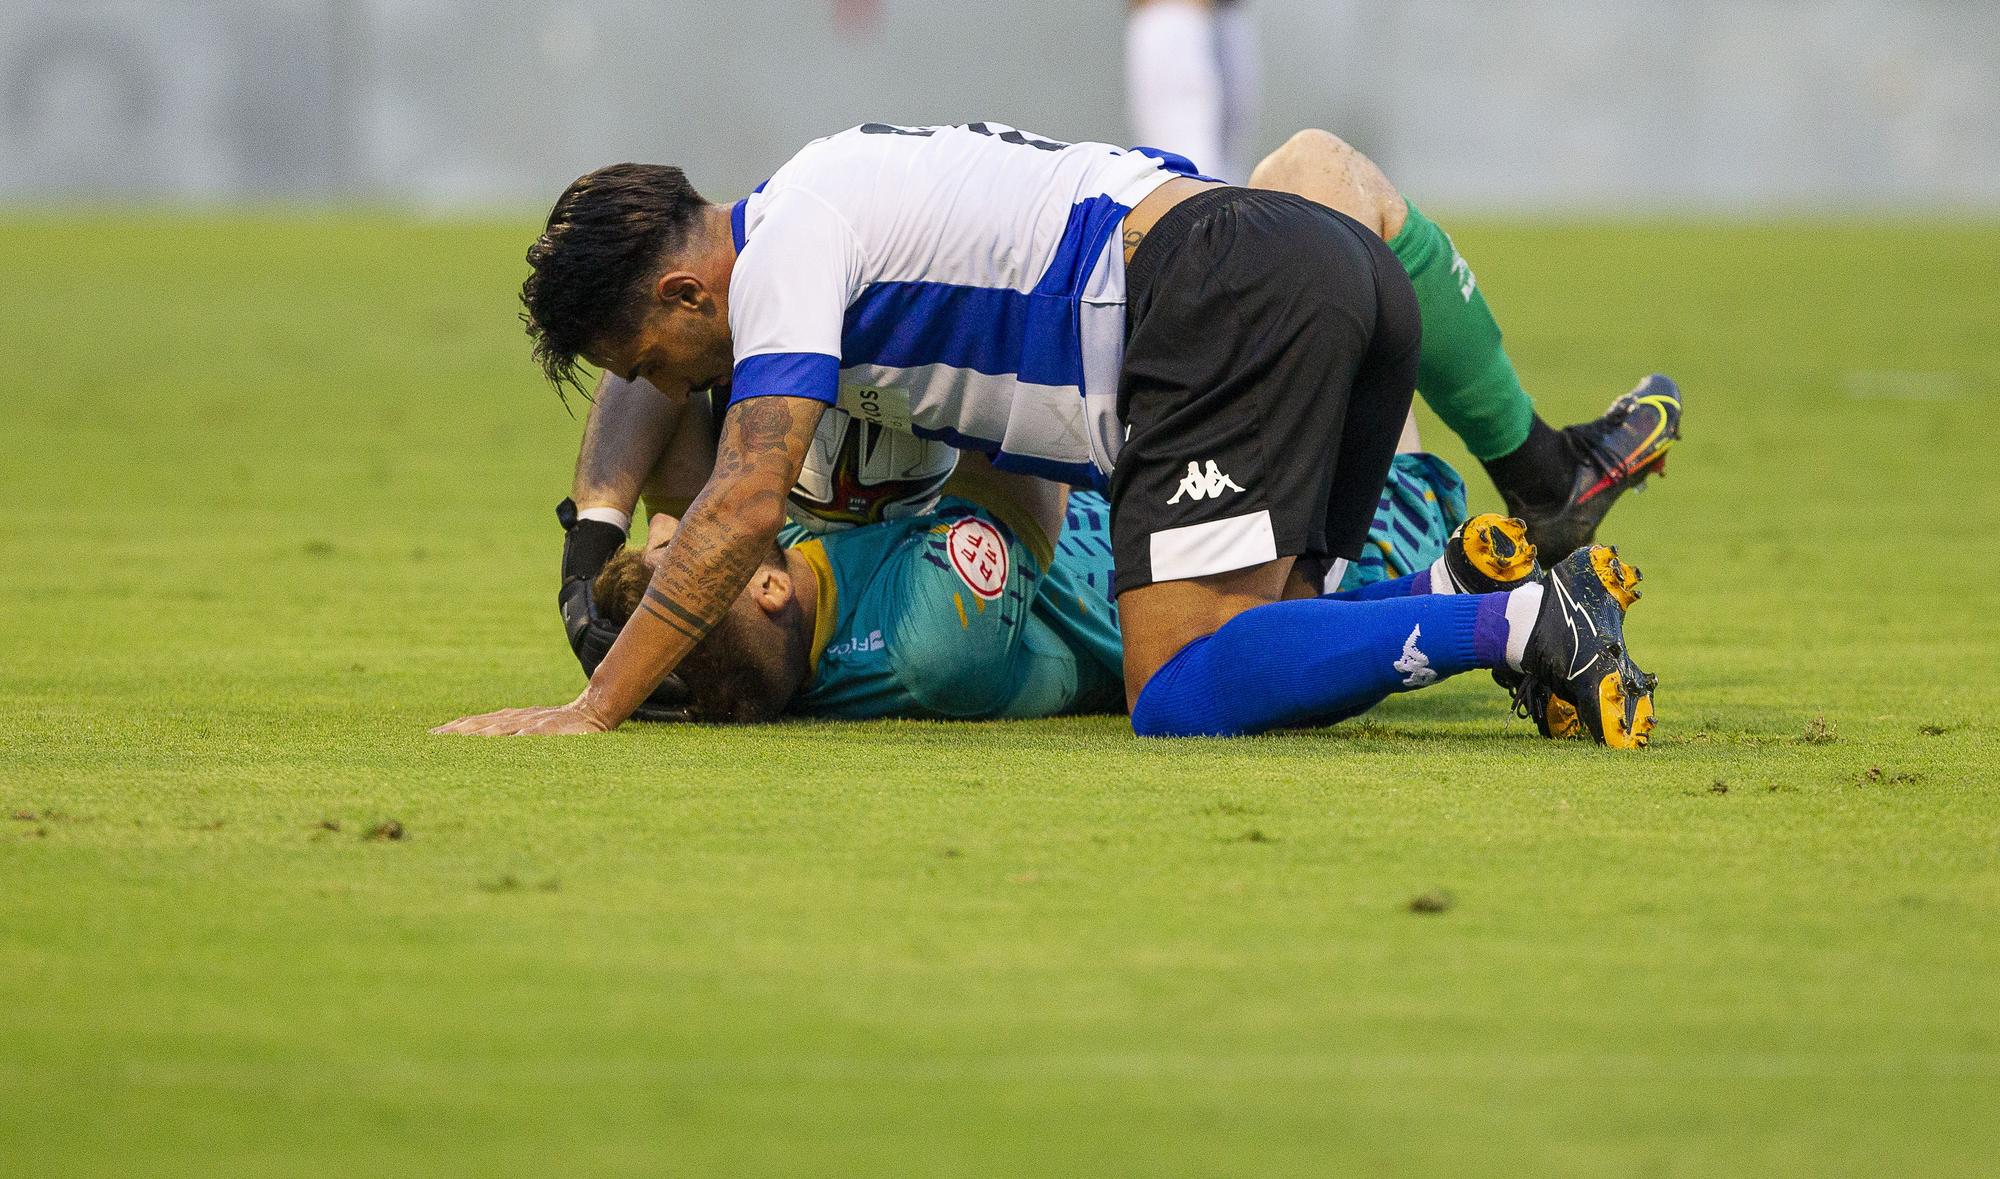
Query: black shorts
pixel 1270 355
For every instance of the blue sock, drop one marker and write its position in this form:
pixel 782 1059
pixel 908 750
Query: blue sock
pixel 1317 660
pixel 1402 587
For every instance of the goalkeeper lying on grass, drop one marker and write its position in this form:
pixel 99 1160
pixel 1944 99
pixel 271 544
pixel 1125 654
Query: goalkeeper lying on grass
pixel 964 610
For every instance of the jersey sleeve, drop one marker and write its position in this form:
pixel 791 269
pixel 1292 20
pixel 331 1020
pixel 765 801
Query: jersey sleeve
pixel 798 270
pixel 965 592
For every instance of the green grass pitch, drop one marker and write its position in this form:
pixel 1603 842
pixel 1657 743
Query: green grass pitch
pixel 278 497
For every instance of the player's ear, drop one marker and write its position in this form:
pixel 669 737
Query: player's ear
pixel 771 589
pixel 678 288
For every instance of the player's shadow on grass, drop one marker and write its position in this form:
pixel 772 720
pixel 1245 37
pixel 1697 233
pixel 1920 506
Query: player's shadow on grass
pixel 1482 715
pixel 1479 713
pixel 1476 711
pixel 1470 701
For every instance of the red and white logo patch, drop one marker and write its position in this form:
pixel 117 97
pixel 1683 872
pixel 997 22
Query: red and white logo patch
pixel 979 555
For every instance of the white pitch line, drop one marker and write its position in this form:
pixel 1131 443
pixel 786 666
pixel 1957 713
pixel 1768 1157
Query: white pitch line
pixel 1903 385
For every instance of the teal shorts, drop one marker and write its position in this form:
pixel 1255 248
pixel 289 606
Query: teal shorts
pixel 1422 505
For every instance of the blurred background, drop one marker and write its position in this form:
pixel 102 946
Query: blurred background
pixel 1505 105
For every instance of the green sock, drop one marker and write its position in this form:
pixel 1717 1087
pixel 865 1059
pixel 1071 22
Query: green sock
pixel 1462 372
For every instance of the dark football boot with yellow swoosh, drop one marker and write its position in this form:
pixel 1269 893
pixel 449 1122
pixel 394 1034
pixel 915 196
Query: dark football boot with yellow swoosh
pixel 1614 454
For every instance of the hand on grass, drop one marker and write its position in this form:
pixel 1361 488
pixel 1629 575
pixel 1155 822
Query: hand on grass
pixel 509 722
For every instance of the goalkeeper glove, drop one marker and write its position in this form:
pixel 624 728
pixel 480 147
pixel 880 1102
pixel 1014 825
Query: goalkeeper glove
pixel 587 547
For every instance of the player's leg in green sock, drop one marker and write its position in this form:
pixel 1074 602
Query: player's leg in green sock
pixel 1463 372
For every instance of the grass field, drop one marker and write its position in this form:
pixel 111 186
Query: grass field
pixel 278 497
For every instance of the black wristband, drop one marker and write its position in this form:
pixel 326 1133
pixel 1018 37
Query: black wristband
pixel 587 548
pixel 587 544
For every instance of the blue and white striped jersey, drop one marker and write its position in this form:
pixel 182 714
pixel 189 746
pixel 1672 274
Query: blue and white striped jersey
pixel 964 283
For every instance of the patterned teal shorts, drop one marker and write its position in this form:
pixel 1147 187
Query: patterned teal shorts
pixel 1421 506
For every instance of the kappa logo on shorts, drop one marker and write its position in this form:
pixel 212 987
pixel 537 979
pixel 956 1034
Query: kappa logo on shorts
pixel 1197 485
pixel 978 556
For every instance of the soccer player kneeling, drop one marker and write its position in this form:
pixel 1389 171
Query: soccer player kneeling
pixel 1235 365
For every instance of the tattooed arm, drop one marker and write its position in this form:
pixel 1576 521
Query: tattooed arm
pixel 726 532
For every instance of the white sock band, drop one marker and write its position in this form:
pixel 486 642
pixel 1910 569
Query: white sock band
pixel 1441 582
pixel 1173 82
pixel 1524 605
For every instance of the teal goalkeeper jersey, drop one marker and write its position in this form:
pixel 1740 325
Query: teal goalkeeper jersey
pixel 950 613
pixel 955 614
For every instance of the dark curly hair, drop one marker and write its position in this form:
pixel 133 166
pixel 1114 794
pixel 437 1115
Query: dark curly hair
pixel 602 246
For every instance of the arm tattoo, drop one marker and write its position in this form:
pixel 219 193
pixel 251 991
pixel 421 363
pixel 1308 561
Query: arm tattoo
pixel 726 532
pixel 764 440
pixel 671 614
pixel 1132 239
